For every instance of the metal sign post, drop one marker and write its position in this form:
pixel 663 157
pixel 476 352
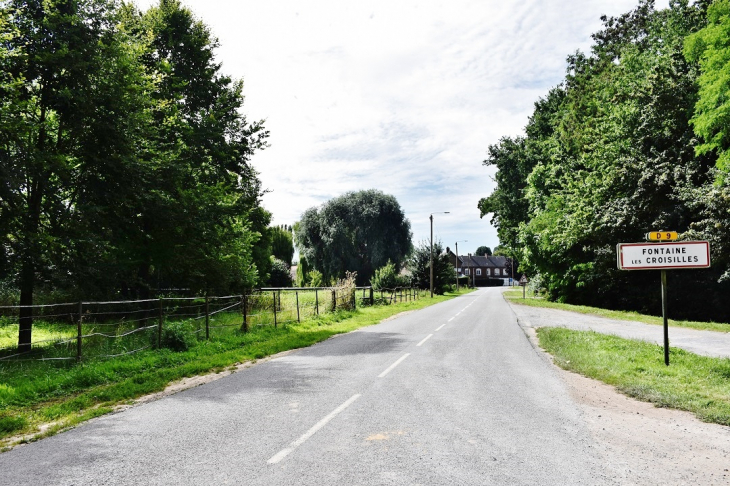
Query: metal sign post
pixel 664 255
pixel 665 316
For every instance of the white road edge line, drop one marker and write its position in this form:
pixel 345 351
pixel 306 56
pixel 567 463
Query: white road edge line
pixel 439 328
pixel 451 319
pixel 424 339
pixel 390 368
pixel 301 440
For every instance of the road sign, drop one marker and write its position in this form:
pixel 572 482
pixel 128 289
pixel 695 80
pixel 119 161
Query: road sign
pixel 662 236
pixel 523 280
pixel 663 256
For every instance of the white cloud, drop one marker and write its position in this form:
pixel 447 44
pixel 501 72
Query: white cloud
pixel 403 97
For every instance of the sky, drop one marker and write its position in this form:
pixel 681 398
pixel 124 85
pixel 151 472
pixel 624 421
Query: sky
pixel 400 96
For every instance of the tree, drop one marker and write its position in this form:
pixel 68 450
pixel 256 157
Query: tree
pixel 282 246
pixel 710 46
pixel 197 224
pixel 72 106
pixel 608 155
pixel 483 251
pixel 124 155
pixel 419 264
pixel 357 232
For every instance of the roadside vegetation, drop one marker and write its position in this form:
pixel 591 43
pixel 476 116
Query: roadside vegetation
pixel 515 296
pixel 693 383
pixel 38 399
pixel 635 138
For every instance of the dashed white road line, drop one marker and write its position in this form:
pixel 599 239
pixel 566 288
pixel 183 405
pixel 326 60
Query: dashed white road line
pixel 301 440
pixel 424 339
pixel 390 368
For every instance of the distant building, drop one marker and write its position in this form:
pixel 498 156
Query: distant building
pixel 482 270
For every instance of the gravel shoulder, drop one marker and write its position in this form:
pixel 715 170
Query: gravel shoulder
pixel 640 443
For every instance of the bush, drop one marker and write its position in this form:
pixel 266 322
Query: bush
pixel 387 277
pixel 315 278
pixel 177 336
pixel 280 274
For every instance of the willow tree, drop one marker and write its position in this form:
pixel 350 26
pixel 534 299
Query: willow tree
pixel 358 231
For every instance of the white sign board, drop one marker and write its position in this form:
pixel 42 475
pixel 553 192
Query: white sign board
pixel 663 256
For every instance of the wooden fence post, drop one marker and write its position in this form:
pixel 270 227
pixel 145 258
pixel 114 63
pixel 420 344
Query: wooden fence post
pixel 274 295
pixel 207 317
pixel 79 334
pixel 372 298
pixel 244 327
pixel 334 300
pixel 316 301
pixel 159 324
pixel 296 293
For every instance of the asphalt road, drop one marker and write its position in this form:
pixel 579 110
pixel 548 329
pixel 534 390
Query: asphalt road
pixel 451 394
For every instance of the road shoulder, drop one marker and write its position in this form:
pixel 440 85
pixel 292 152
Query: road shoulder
pixel 640 443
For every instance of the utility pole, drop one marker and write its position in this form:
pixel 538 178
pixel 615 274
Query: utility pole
pixel 430 254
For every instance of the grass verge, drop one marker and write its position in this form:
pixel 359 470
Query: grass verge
pixel 38 399
pixel 693 383
pixel 515 296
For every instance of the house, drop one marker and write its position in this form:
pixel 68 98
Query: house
pixel 482 270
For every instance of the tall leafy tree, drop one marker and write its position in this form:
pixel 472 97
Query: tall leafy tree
pixel 197 225
pixel 710 46
pixel 612 155
pixel 124 154
pixel 71 104
pixel 356 232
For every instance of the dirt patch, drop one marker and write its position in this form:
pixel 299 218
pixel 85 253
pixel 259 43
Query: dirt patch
pixel 643 444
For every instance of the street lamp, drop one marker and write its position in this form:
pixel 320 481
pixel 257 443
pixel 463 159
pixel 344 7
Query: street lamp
pixel 456 263
pixel 431 218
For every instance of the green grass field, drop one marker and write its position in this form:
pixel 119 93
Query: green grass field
pixel 64 393
pixel 697 384
pixel 515 296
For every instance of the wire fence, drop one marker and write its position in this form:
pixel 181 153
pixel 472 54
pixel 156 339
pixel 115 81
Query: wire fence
pixel 97 330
